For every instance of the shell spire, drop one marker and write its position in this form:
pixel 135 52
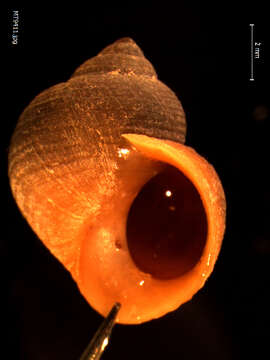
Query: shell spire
pixel 123 56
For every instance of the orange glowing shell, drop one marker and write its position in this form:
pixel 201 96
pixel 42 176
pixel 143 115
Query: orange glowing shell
pixel 98 168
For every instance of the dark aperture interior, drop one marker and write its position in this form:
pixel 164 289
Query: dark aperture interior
pixel 167 225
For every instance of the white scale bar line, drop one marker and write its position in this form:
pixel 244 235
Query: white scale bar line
pixel 252 52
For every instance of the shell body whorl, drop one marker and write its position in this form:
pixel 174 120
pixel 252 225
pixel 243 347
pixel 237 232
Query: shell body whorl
pixel 77 125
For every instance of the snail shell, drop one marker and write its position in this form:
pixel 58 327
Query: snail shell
pixel 81 154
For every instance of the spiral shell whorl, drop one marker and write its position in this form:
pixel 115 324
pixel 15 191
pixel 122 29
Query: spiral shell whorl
pixel 76 126
pixel 123 57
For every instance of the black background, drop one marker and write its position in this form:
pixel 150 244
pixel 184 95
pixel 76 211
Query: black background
pixel 203 54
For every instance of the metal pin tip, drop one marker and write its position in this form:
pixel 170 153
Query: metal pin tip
pixel 101 338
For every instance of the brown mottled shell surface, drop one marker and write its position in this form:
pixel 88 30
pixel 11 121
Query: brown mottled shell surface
pixel 66 141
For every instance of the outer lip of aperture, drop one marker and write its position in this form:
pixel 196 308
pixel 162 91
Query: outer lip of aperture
pixel 205 179
pixel 157 297
pixel 195 168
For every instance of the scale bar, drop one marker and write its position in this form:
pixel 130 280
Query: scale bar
pixel 251 52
